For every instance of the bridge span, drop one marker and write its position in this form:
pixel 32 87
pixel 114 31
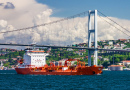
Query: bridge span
pixel 51 46
pixel 92 34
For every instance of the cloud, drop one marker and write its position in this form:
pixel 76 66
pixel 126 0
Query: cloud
pixel 30 13
pixel 9 5
pixel 1 4
pixel 23 13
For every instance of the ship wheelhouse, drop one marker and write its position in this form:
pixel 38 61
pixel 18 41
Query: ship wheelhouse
pixel 35 58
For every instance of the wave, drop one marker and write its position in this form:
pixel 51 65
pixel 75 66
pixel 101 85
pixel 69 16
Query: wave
pixel 7 73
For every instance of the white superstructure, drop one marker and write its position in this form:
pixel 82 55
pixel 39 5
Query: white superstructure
pixel 35 58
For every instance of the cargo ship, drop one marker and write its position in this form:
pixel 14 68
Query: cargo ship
pixel 34 63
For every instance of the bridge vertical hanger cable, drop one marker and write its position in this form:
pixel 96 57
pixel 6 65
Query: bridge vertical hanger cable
pixel 46 35
pixel 63 24
pixel 117 27
pixel 59 33
pixel 62 36
pixel 66 36
pixel 84 25
pixel 63 30
pixel 51 37
pixel 78 24
pixel 72 30
pixel 114 21
pixel 73 25
pixel 67 30
pixel 49 34
pixel 85 28
pixel 114 26
pixel 99 38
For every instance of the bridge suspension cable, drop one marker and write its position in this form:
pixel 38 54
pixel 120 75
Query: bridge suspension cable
pixel 113 21
pixel 70 17
pixel 114 26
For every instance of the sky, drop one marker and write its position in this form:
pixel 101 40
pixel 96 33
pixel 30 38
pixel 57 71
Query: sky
pixel 113 8
pixel 17 14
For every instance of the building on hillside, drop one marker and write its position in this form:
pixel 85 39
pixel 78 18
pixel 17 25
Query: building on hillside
pixel 106 59
pixel 99 46
pixel 117 46
pixel 3 59
pixel 123 45
pixel 126 62
pixel 3 49
pixel 110 43
pixel 102 40
pixel 127 49
pixel 14 59
pixel 80 53
pixel 114 41
pixel 19 57
pixel 82 50
pixel 115 67
pixel 82 44
pixel 128 40
pixel 119 63
pixel 69 49
pixel 12 66
pixel 100 57
pixel 107 47
pixel 123 40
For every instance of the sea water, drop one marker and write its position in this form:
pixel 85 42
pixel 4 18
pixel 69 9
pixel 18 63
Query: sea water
pixel 109 80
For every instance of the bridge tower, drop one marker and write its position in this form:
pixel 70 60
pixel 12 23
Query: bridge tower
pixel 90 32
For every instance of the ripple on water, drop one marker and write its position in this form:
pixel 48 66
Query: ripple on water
pixel 108 80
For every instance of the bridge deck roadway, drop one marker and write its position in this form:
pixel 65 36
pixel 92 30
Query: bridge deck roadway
pixel 123 50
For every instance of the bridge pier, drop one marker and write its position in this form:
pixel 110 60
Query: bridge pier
pixel 90 32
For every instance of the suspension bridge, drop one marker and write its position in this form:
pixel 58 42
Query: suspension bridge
pixel 59 34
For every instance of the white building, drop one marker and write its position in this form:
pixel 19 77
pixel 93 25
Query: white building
pixel 115 67
pixel 127 49
pixel 123 45
pixel 69 49
pixel 106 47
pixel 125 63
pixel 106 59
pixel 118 48
pixel 110 43
pixel 1 67
pixel 35 58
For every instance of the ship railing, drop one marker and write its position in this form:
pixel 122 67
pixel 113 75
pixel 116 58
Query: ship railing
pixel 29 66
pixel 100 65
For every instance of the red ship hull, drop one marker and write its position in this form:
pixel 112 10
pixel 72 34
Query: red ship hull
pixel 87 70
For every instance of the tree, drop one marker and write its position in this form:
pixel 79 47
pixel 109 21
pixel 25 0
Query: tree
pixel 6 64
pixel 105 64
pixel 117 60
